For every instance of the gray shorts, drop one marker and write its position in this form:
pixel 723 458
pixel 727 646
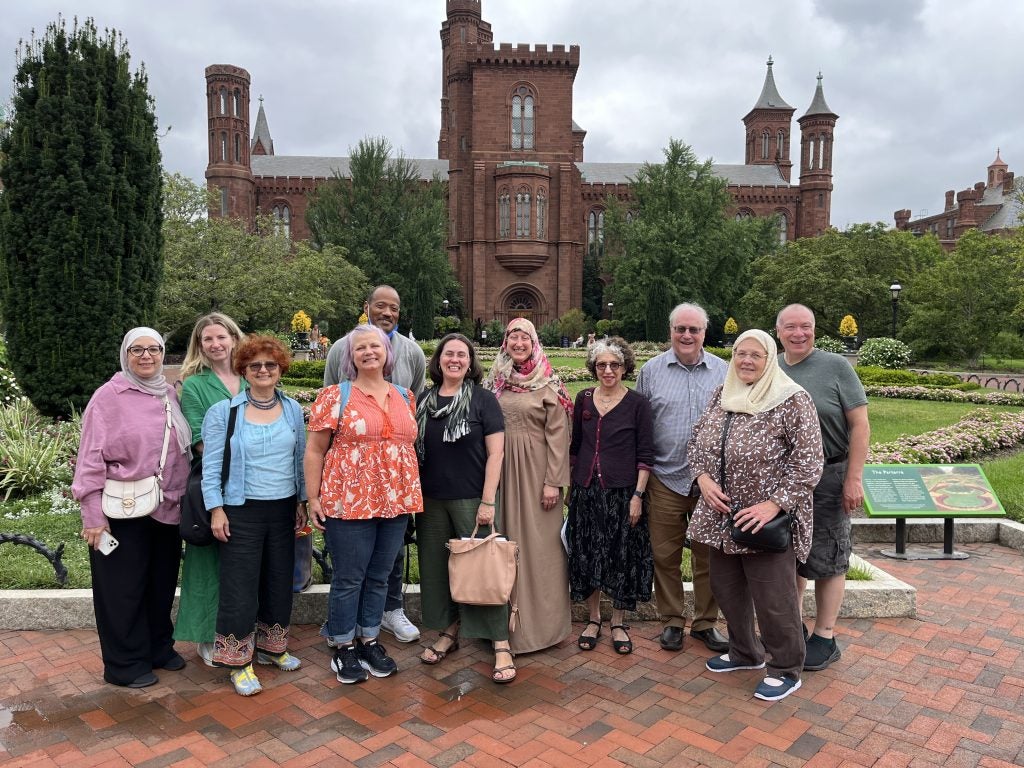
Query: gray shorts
pixel 830 542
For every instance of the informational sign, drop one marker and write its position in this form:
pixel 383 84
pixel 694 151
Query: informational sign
pixel 929 490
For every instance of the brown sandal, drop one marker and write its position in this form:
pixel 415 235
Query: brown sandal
pixel 439 654
pixel 498 670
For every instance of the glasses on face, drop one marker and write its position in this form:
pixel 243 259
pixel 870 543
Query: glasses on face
pixel 755 356
pixel 691 329
pixel 614 365
pixel 255 367
pixel 153 351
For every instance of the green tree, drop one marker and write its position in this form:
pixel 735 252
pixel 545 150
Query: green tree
pixel 572 324
pixel 260 278
pixel 393 226
pixel 962 302
pixel 678 244
pixel 80 212
pixel 838 274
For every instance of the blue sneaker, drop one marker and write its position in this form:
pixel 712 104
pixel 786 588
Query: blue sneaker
pixel 775 688
pixel 284 661
pixel 245 681
pixel 724 664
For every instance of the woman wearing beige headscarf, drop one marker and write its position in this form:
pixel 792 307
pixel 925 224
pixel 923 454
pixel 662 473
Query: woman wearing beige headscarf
pixel 763 427
pixel 537 410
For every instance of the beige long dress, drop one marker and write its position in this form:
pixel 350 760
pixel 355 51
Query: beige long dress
pixel 536 453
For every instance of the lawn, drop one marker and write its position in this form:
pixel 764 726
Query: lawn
pixel 892 418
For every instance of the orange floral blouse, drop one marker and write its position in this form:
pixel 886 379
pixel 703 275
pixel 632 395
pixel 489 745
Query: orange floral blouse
pixel 370 470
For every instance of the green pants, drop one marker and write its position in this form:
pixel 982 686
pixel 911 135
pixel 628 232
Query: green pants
pixel 452 519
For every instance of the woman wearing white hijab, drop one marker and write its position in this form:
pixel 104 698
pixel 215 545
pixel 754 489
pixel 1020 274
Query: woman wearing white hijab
pixel 765 427
pixel 123 431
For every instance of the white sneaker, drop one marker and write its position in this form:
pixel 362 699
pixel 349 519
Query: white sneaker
pixel 205 651
pixel 398 624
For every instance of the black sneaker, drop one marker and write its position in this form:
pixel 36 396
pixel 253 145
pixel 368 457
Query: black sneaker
pixel 821 652
pixel 346 664
pixel 375 660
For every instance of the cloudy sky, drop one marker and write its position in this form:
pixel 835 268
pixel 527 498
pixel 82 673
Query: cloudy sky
pixel 926 90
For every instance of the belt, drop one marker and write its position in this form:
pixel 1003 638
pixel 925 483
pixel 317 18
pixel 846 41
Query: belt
pixel 836 459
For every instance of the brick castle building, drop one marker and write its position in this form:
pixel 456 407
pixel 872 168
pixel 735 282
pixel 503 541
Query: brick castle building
pixel 524 204
pixel 993 206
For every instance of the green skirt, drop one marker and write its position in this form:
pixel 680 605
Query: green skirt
pixel 200 595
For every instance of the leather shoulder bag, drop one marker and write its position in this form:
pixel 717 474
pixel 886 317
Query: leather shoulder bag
pixel 125 499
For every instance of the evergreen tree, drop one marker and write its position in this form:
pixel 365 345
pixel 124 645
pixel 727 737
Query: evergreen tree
pixel 393 226
pixel 80 213
pixel 679 244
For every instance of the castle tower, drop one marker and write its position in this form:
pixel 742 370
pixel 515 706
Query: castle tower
pixel 768 128
pixel 996 171
pixel 817 132
pixel 463 27
pixel 229 173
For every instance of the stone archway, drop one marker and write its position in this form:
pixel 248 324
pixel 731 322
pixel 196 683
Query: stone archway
pixel 522 300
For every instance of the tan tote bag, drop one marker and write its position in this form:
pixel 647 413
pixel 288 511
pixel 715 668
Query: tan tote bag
pixel 482 571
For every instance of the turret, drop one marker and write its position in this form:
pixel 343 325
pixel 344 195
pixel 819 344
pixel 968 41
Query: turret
pixel 768 128
pixel 229 172
pixel 817 132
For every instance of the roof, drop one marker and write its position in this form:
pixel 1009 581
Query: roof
pixel 325 167
pixel 741 175
pixel 262 132
pixel 770 98
pixel 818 105
pixel 1007 216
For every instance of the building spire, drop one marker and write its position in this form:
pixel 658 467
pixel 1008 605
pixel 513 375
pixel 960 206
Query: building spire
pixel 770 98
pixel 818 104
pixel 262 143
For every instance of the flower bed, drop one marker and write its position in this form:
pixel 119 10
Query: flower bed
pixel 977 433
pixel 980 397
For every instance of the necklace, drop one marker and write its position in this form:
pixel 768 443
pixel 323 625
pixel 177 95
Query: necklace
pixel 263 405
pixel 609 398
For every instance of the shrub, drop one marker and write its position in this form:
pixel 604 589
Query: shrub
pixel 828 344
pixel 878 376
pixel 723 352
pixel 549 334
pixel 306 369
pixel 34 451
pixel 848 326
pixel 1007 345
pixel 301 322
pixel 9 389
pixel 731 326
pixel 885 352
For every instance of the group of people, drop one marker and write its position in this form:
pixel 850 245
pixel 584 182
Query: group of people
pixel 648 471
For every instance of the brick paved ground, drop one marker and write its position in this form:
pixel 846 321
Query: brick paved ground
pixel 946 688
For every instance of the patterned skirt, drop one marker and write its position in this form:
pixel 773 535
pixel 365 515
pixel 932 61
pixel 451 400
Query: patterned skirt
pixel 606 553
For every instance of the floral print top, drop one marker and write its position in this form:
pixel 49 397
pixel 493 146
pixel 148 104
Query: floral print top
pixel 370 470
pixel 773 455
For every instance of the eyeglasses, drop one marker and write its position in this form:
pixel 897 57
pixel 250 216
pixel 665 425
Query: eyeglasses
pixel 270 365
pixel 755 356
pixel 691 329
pixel 614 365
pixel 140 351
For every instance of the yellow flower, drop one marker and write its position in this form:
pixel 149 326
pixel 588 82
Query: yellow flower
pixel 301 321
pixel 848 326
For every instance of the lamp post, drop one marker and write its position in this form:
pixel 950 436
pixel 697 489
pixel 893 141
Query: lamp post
pixel 611 306
pixel 894 291
pixel 445 302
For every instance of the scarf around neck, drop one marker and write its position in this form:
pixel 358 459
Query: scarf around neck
pixel 456 412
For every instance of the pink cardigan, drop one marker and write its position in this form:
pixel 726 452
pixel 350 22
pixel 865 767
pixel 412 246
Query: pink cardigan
pixel 122 434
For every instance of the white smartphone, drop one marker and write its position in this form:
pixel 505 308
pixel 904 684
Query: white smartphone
pixel 107 543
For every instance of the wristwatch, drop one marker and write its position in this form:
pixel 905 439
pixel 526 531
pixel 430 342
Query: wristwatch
pixel 639 494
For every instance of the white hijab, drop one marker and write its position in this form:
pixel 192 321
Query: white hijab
pixel 773 388
pixel 156 384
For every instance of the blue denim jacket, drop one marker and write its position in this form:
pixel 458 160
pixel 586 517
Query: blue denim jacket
pixel 215 425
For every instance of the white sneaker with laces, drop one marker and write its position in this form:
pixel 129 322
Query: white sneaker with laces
pixel 398 624
pixel 205 652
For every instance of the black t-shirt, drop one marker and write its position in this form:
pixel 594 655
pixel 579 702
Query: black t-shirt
pixel 456 470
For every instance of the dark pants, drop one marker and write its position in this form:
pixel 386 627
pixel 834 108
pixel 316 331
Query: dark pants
pixel 764 583
pixel 395 583
pixel 256 566
pixel 132 593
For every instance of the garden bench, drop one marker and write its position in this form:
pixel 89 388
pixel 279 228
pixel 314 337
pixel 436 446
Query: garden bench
pixel 944 491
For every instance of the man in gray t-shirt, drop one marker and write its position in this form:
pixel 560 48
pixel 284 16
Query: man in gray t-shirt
pixel 843 414
pixel 382 308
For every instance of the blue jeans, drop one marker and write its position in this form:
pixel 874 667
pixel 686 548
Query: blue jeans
pixel 363 553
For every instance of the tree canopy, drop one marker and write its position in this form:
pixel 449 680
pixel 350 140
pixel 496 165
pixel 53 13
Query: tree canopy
pixel 676 242
pixel 260 278
pixel 838 274
pixel 393 226
pixel 80 215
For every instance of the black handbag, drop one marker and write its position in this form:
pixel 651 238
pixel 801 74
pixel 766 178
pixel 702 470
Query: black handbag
pixel 194 525
pixel 773 536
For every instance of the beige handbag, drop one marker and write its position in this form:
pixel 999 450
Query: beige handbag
pixel 482 571
pixel 124 499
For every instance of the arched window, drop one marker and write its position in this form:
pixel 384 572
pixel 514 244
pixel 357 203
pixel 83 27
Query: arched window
pixel 282 220
pixel 783 228
pixel 595 232
pixel 822 148
pixel 523 214
pixel 542 212
pixel 780 144
pixel 238 148
pixel 521 302
pixel 629 217
pixel 522 118
pixel 223 101
pixel 504 214
pixel 765 138
pixel 224 147
pixel 236 103
pixel 812 152
pixel 744 213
